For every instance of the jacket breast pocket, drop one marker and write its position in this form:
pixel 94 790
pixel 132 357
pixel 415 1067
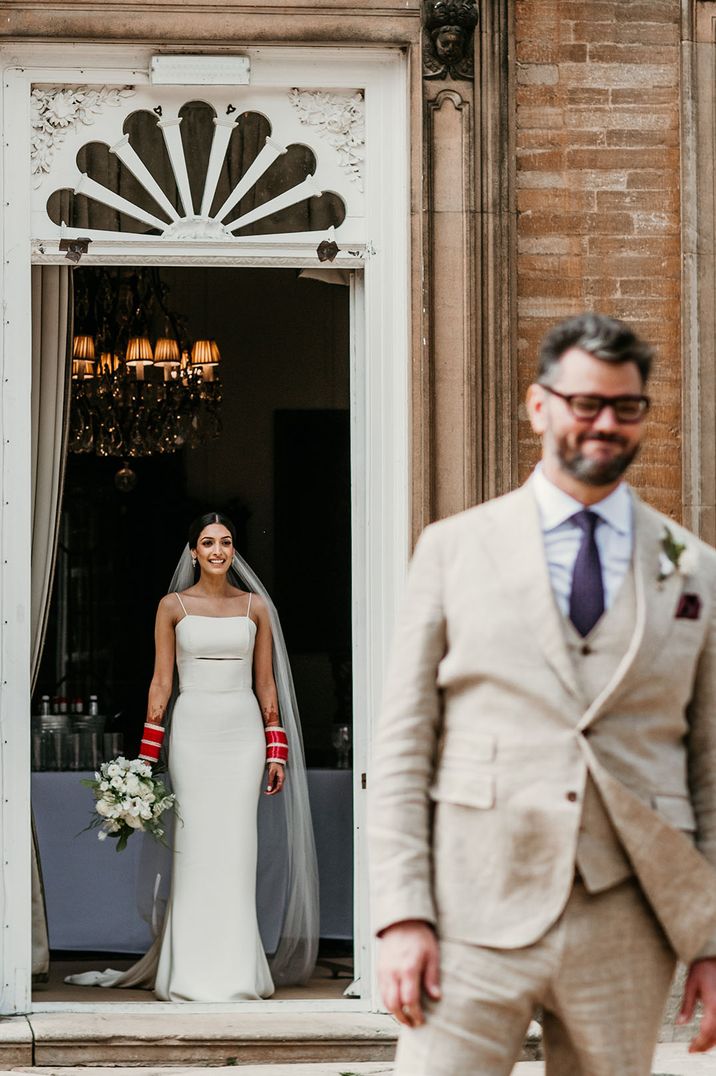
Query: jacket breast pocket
pixel 676 810
pixel 464 789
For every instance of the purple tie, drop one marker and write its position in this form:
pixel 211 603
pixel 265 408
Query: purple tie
pixel 586 602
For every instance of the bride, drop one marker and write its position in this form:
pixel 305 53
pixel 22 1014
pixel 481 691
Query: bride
pixel 218 628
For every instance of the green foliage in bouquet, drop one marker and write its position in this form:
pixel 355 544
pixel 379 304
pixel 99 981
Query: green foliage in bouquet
pixel 128 797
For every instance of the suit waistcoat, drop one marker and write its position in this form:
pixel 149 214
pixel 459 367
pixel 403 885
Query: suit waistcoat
pixel 600 858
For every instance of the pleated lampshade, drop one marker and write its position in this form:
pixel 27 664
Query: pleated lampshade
pixel 201 354
pixel 82 369
pixel 83 348
pixel 108 362
pixel 166 352
pixel 139 351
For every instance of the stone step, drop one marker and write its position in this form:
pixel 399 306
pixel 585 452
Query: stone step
pixel 672 1059
pixel 356 1068
pixel 190 1038
pixel 179 1037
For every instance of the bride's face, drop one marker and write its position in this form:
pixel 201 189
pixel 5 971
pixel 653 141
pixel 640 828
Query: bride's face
pixel 214 550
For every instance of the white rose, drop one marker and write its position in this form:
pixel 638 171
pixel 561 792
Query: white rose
pixel 103 785
pixel 103 808
pixel 132 784
pixel 146 813
pixel 134 822
pixel 689 560
pixel 123 763
pixel 117 782
pixel 666 566
pixel 113 769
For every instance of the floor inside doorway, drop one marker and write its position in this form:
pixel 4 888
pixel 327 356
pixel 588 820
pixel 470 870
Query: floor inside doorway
pixel 330 978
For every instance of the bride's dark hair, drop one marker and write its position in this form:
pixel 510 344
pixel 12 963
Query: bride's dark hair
pixel 206 521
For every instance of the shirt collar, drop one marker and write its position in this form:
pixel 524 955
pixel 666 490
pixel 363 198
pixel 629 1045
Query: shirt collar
pixel 556 507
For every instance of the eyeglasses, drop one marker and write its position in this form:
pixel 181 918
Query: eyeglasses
pixel 627 409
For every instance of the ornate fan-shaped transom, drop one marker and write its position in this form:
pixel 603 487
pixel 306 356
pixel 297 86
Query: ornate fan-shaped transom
pixel 183 170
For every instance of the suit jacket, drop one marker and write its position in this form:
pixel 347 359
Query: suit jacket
pixel 484 743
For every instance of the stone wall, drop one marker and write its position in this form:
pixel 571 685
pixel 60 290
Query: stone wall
pixel 598 192
pixel 549 185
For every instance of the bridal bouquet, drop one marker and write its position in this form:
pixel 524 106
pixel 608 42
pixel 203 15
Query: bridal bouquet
pixel 128 798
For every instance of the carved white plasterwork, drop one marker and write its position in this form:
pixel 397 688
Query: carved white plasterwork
pixel 56 110
pixel 341 120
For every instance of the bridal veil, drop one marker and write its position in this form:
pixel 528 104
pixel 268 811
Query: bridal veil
pixel 292 845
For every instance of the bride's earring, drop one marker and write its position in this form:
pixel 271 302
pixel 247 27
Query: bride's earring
pixel 193 562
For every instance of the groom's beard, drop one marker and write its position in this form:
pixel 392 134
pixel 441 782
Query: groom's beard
pixel 595 472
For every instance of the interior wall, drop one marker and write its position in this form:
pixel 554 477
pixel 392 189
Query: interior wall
pixel 274 356
pixel 284 342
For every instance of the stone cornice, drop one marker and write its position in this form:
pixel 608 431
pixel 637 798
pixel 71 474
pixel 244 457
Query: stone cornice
pixel 220 21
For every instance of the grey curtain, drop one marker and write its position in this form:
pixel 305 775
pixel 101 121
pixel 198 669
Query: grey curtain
pixel 51 373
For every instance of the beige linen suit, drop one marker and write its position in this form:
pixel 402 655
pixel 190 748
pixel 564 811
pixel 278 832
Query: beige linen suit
pixel 494 770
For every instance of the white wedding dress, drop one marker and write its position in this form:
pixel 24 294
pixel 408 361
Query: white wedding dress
pixel 210 948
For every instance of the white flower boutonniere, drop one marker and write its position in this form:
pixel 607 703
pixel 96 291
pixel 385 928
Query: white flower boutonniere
pixel 676 557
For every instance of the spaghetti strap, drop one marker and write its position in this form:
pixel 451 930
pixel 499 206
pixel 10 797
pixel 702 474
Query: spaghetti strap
pixel 181 603
pixel 248 607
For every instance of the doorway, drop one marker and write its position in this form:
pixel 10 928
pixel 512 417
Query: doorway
pixel 374 247
pixel 278 461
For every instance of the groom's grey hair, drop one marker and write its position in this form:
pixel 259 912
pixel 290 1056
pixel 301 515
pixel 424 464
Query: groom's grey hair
pixel 599 335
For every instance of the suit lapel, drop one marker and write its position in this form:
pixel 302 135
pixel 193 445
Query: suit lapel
pixel 655 608
pixel 514 539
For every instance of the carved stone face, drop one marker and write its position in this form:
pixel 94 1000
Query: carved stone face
pixel 449 44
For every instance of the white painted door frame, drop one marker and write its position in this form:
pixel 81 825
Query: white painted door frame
pixel 379 408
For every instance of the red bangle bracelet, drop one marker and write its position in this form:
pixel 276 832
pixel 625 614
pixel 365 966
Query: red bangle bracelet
pixel 151 745
pixel 276 744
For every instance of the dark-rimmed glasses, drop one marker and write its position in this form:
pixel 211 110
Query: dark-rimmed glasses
pixel 586 408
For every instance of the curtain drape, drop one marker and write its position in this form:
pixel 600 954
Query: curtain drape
pixel 51 372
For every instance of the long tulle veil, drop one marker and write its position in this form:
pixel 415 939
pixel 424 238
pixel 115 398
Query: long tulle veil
pixel 295 956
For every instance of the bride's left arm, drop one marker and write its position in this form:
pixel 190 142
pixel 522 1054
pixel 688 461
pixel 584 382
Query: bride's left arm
pixel 265 686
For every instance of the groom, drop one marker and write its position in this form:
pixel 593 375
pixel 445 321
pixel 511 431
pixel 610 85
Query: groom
pixel 543 819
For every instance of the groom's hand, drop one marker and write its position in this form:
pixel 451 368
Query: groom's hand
pixel 408 963
pixel 701 986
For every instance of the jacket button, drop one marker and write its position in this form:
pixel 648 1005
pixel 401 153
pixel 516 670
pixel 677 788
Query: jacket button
pixel 572 796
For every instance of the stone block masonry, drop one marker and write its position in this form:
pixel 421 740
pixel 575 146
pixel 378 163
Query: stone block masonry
pixel 598 195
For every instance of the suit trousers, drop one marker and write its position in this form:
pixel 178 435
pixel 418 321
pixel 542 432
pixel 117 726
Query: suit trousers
pixel 601 974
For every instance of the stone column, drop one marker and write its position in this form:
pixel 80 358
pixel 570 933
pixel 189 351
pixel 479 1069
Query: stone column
pixel 467 253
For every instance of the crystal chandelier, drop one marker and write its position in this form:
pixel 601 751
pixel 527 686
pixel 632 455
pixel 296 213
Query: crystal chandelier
pixel 131 398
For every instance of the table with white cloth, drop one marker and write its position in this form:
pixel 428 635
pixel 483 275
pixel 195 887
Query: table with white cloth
pixel 93 893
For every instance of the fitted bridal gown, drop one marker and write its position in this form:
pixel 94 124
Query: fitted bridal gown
pixel 210 947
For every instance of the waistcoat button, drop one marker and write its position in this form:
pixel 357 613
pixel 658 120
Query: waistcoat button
pixel 571 796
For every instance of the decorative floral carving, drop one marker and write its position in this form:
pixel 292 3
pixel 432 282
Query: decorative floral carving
pixel 341 119
pixel 55 110
pixel 449 29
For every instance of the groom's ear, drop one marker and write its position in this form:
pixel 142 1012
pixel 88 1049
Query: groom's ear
pixel 536 401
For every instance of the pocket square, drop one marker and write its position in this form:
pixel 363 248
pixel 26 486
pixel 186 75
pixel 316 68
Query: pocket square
pixel 689 607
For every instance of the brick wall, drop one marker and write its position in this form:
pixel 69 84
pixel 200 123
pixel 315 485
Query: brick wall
pixel 598 194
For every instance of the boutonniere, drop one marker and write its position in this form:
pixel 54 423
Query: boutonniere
pixel 676 557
